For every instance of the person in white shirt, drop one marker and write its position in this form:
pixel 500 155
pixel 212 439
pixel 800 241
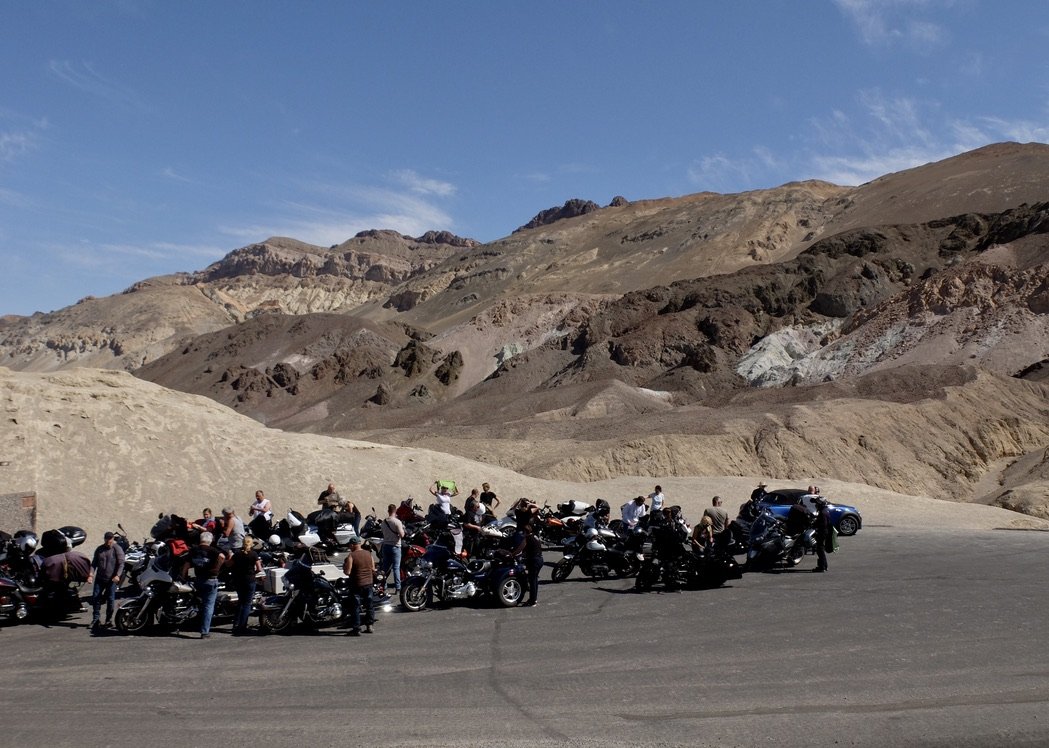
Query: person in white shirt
pixel 657 498
pixel 633 511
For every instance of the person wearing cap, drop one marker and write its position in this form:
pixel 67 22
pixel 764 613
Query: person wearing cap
pixel 359 566
pixel 106 566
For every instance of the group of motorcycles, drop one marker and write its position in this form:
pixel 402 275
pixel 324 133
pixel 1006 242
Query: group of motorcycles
pixel 657 552
pixel 25 588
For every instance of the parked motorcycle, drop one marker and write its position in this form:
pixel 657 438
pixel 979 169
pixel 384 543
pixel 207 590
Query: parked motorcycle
pixel 136 556
pixel 441 576
pixel 552 529
pixel 599 553
pixel 13 604
pixel 668 556
pixel 168 599
pixel 308 598
pixel 771 546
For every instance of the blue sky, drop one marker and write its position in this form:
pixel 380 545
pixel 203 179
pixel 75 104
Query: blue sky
pixel 139 137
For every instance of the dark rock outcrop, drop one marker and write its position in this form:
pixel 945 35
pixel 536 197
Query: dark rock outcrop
pixel 571 209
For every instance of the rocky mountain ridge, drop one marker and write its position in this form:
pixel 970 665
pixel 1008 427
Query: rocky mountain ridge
pixel 809 329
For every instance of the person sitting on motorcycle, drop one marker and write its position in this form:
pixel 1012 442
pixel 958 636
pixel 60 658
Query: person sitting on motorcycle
pixel 260 515
pixel 442 519
pixel 598 518
pixel 703 535
pixel 719 522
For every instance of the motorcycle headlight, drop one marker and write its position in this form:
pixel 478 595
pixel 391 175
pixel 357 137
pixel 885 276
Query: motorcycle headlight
pixel 423 565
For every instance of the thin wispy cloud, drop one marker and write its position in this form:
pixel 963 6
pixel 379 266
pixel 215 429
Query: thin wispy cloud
pixel 723 173
pixel 327 214
pixel 896 133
pixel 84 77
pixel 116 255
pixel 170 173
pixel 423 185
pixel 886 23
pixel 15 144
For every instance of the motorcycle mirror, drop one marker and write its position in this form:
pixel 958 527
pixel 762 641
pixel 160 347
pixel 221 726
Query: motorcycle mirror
pixel 121 527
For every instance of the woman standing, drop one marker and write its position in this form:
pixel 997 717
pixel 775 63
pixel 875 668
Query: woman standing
pixel 245 564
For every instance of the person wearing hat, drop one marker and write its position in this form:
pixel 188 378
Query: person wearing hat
pixel 749 510
pixel 106 566
pixel 824 537
pixel 359 566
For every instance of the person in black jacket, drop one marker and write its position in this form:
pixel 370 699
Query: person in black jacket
pixel 107 565
pixel 529 549
pixel 824 536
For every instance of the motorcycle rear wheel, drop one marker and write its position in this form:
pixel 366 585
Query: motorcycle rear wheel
pixel 510 592
pixel 415 595
pixel 128 619
pixel 561 571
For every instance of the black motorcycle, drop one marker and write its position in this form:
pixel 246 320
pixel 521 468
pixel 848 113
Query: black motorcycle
pixel 168 599
pixel 600 553
pixel 770 544
pixel 308 598
pixel 670 558
pixel 442 577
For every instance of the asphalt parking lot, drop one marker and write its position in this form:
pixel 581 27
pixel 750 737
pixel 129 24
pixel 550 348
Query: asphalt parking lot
pixel 912 638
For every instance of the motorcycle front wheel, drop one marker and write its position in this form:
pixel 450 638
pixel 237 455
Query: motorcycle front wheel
pixel 131 619
pixel 416 595
pixel 510 591
pixel 561 571
pixel 279 621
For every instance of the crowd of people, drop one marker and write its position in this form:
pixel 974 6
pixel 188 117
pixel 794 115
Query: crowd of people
pixel 225 542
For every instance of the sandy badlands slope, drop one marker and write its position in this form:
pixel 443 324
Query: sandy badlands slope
pixel 101 446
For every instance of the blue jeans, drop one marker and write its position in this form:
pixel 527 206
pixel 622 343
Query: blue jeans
pixel 245 593
pixel 361 597
pixel 391 559
pixel 208 589
pixel 103 589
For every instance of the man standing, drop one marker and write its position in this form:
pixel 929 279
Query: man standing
pixel 207 561
pixel 329 497
pixel 359 566
pixel 392 536
pixel 107 564
pixel 489 499
pixel 718 521
pixel 529 550
pixel 657 498
pixel 824 539
pixel 632 512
